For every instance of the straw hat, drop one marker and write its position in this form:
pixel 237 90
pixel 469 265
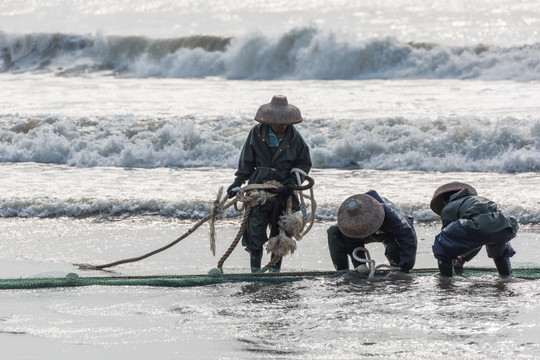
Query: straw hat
pixel 437 204
pixel 278 111
pixel 360 216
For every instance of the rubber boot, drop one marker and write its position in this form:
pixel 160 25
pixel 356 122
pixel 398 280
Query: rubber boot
pixel 255 257
pixel 341 263
pixel 458 266
pixel 446 267
pixel 277 266
pixel 503 266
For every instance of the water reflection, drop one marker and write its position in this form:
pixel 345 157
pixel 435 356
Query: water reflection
pixel 417 317
pixel 275 318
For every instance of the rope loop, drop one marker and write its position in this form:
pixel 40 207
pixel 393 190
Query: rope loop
pixel 255 194
pixel 250 196
pixel 299 171
pixel 364 268
pixel 306 219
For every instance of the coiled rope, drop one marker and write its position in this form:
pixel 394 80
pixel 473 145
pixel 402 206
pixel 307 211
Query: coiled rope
pixel 290 225
pixel 249 196
pixel 369 263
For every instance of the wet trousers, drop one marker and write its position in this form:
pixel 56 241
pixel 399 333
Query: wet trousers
pixel 261 218
pixel 456 241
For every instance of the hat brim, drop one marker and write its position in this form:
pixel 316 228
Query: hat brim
pixel 362 222
pixel 437 202
pixel 272 114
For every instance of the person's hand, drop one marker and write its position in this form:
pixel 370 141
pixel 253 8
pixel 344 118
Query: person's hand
pixel 230 191
pixel 459 263
pixel 288 191
pixel 288 181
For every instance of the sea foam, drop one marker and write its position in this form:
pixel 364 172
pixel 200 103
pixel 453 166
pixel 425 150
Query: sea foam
pixel 446 144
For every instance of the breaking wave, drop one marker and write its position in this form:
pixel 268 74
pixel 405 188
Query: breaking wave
pixel 303 53
pixel 446 144
pixel 119 208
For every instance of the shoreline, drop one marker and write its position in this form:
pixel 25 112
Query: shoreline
pixel 37 247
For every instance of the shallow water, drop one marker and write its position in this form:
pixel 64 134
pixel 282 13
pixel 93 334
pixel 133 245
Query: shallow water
pixel 424 318
pixel 325 318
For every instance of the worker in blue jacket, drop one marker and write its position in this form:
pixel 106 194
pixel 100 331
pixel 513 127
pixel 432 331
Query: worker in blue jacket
pixel 469 222
pixel 366 218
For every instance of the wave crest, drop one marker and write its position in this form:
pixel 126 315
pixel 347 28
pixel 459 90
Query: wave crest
pixel 302 53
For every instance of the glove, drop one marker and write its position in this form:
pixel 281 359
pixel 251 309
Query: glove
pixel 290 180
pixel 235 184
pixel 288 192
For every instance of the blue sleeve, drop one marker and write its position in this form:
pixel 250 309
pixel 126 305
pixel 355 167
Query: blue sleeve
pixel 403 230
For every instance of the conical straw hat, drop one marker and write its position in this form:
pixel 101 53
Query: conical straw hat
pixel 278 111
pixel 360 216
pixel 437 204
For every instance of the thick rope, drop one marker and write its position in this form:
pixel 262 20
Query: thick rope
pixel 299 172
pixel 311 198
pixel 271 264
pixel 311 219
pixel 236 239
pixel 255 196
pixel 216 209
pixel 364 267
pixel 138 258
pixel 250 196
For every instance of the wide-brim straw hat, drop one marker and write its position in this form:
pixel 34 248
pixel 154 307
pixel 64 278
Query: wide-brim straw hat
pixel 278 112
pixel 437 204
pixel 360 216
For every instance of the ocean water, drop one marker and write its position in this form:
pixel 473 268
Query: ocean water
pixel 120 122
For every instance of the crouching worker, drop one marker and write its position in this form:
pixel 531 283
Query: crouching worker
pixel 367 218
pixel 468 223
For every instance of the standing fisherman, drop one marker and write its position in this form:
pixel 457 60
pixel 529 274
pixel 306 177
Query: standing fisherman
pixel 468 223
pixel 272 149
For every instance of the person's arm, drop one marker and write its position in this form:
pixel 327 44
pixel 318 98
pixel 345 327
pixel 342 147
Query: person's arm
pixel 302 161
pixel 246 161
pixel 402 229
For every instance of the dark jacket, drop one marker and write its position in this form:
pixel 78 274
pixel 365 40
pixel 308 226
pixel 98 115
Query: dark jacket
pixel 476 213
pixel 258 162
pixel 401 228
pixel 396 228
